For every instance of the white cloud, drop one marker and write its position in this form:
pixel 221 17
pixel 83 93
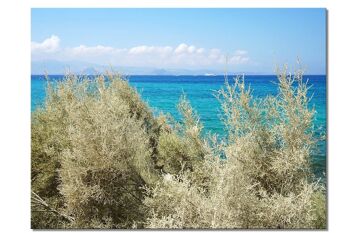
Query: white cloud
pixel 49 45
pixel 143 50
pixel 83 50
pixel 181 56
pixel 200 50
pixel 241 52
pixel 182 48
pixel 239 57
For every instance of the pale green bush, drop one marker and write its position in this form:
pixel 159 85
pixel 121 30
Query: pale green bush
pixel 264 180
pixel 182 148
pixel 105 136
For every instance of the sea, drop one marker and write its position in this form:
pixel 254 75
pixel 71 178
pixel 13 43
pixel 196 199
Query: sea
pixel 162 94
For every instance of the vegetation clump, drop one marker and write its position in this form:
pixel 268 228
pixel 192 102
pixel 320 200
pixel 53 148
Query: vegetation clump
pixel 101 159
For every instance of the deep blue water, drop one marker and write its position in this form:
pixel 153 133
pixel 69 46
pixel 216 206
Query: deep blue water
pixel 162 93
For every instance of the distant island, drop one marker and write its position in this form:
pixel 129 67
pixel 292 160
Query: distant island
pixel 60 68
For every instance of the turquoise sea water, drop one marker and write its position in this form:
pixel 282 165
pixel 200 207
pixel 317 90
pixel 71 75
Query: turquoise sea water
pixel 162 93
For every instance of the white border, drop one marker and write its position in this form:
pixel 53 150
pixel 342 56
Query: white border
pixel 15 98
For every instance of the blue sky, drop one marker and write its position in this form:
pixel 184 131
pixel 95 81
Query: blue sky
pixel 241 40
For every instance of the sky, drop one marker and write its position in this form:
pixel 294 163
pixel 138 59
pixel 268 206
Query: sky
pixel 218 40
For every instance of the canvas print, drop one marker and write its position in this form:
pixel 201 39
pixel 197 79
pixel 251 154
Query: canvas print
pixel 178 119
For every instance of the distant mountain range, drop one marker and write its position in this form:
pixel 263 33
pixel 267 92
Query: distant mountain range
pixel 78 67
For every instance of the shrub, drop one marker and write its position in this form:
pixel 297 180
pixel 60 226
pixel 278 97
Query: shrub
pixel 182 147
pixel 264 180
pixel 104 135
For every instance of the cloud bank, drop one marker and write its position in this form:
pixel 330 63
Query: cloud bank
pixel 49 45
pixel 181 56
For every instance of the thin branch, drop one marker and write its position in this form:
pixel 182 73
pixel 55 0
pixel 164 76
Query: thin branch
pixel 38 201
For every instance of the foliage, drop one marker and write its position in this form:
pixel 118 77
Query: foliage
pixel 101 159
pixel 264 180
pixel 105 135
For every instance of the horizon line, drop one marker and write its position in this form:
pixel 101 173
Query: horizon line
pixel 206 75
